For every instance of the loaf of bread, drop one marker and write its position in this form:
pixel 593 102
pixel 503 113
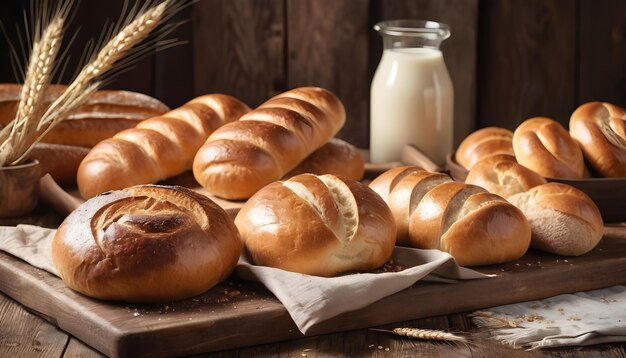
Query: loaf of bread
pixel 474 226
pixel 145 244
pixel 105 113
pixel 544 146
pixel 158 147
pixel 337 157
pixel 483 143
pixel 600 129
pixel 317 225
pixel 503 175
pixel 60 161
pixel 564 220
pixel 241 157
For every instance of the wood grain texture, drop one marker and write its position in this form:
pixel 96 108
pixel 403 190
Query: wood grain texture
pixel 327 46
pixel 459 50
pixel 602 51
pixel 238 48
pixel 526 61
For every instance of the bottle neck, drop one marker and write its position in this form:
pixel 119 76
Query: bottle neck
pixel 397 42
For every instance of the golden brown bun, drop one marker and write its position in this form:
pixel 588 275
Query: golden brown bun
pixel 544 146
pixel 337 157
pixel 483 143
pixel 402 188
pixel 146 244
pixel 502 175
pixel 474 226
pixel 317 225
pixel 564 220
pixel 105 113
pixel 242 157
pixel 158 148
pixel 600 129
pixel 60 161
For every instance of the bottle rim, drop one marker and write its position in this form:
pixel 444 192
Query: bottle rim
pixel 411 27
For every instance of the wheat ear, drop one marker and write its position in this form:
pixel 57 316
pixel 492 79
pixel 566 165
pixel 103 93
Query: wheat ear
pixel 15 138
pixel 425 334
pixel 114 50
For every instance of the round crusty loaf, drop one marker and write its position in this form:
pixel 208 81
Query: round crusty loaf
pixel 502 175
pixel 146 243
pixel 564 220
pixel 474 226
pixel 483 143
pixel 600 129
pixel 544 146
pixel 317 225
pixel 402 188
pixel 337 157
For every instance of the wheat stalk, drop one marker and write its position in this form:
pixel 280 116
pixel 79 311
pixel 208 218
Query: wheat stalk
pixel 425 334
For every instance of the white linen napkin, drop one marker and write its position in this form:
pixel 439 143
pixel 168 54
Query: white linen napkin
pixel 29 243
pixel 582 318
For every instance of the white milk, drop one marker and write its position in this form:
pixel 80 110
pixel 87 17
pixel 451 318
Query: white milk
pixel 411 103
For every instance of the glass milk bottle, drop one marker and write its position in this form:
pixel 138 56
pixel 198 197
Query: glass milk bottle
pixel 411 94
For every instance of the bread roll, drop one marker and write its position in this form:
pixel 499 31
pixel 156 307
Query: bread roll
pixel 146 244
pixel 105 113
pixel 600 129
pixel 502 175
pixel 242 157
pixel 544 146
pixel 317 225
pixel 483 143
pixel 60 161
pixel 337 157
pixel 474 226
pixel 564 220
pixel 402 188
pixel 158 147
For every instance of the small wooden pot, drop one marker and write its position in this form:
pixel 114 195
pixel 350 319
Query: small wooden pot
pixel 19 189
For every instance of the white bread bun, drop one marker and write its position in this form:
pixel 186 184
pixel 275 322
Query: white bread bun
pixel 317 225
pixel 600 129
pixel 474 226
pixel 544 146
pixel 502 175
pixel 336 157
pixel 483 143
pixel 564 220
pixel 402 188
pixel 146 243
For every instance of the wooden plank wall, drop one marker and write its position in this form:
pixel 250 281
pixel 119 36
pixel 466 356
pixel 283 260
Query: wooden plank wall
pixel 509 60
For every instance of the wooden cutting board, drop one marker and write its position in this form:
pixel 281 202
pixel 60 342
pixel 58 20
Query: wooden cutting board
pixel 238 313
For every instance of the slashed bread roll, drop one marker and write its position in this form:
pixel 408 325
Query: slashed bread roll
pixel 336 157
pixel 317 225
pixel 483 143
pixel 564 220
pixel 146 243
pixel 600 129
pixel 502 175
pixel 544 146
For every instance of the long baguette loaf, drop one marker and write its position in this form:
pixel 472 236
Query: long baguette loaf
pixel 105 113
pixel 158 148
pixel 241 157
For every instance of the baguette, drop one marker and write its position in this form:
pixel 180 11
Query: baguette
pixel 241 157
pixel 105 113
pixel 157 148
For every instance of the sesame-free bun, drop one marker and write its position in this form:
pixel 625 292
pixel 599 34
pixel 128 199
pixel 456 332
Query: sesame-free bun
pixel 503 175
pixel 483 143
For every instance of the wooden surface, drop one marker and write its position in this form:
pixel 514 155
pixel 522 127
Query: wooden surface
pixel 237 313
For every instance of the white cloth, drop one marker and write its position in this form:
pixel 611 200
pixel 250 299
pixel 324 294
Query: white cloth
pixel 582 318
pixel 29 243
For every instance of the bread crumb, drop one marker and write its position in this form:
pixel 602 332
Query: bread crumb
pixel 380 347
pixel 387 349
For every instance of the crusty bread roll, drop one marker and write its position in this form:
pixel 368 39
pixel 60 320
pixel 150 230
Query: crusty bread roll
pixel 402 188
pixel 544 146
pixel 502 175
pixel 60 161
pixel 564 220
pixel 337 157
pixel 483 143
pixel 317 225
pixel 146 243
pixel 242 157
pixel 474 226
pixel 105 113
pixel 600 129
pixel 157 148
